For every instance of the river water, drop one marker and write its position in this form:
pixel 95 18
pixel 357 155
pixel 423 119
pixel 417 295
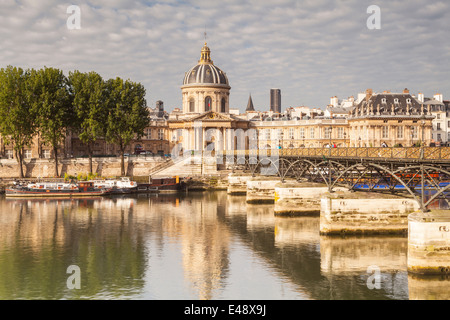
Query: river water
pixel 205 245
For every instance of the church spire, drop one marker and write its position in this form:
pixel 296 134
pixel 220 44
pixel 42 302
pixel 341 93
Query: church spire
pixel 250 104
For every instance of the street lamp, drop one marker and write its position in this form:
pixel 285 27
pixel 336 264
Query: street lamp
pixel 330 129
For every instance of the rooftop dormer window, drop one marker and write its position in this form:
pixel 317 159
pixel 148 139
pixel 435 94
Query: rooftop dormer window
pixel 408 101
pixel 383 100
pixel 396 100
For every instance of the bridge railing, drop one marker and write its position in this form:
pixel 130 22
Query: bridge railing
pixel 411 153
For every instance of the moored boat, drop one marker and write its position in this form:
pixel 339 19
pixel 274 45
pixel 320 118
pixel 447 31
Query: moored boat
pixel 122 185
pixel 161 185
pixel 52 189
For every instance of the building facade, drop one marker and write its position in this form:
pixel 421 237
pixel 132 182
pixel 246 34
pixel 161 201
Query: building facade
pixel 206 122
pixel 390 119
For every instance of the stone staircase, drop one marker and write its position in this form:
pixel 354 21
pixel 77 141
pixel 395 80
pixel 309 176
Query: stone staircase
pixel 187 167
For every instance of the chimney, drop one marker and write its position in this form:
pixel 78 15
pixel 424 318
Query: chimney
pixel 439 97
pixel 369 94
pixel 421 97
pixel 334 101
pixel 406 91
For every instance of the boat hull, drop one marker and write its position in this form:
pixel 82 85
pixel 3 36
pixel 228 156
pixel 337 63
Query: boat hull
pixel 24 193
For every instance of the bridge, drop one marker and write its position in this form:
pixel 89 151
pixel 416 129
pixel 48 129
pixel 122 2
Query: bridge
pixel 422 172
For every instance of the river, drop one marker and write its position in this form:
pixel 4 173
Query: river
pixel 201 245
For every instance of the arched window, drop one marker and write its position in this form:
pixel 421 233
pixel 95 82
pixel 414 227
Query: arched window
pixel 223 105
pixel 208 104
pixel 191 105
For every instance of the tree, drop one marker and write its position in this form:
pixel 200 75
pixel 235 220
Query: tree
pixel 89 103
pixel 128 114
pixel 17 118
pixel 53 106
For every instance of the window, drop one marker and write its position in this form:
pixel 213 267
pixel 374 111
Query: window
pixel 208 104
pixel 302 133
pixel 408 100
pixel 46 154
pixel 267 134
pixel 149 133
pixel 327 133
pixel 438 126
pixel 396 100
pixel 399 132
pixel 291 133
pixel 438 137
pixel 385 132
pixel 160 134
pixel 340 133
pixel 438 115
pixel 414 132
pixel 191 105
pixel 311 133
pixel 280 134
pixel 223 105
pixel 9 154
pixel 27 154
pixel 383 100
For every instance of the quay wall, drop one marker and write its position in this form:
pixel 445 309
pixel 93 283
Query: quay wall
pixel 105 167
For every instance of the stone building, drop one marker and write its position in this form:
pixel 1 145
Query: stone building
pixel 205 87
pixel 394 119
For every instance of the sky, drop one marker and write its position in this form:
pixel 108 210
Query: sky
pixel 312 50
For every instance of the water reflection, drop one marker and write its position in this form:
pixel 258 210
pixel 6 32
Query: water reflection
pixel 197 246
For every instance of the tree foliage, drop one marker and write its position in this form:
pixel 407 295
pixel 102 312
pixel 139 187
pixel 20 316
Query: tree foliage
pixel 89 103
pixel 128 114
pixel 17 117
pixel 52 105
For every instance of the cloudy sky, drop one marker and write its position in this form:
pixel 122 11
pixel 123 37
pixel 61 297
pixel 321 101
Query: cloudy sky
pixel 311 50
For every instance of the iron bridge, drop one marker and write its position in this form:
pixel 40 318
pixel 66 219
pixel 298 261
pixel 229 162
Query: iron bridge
pixel 423 173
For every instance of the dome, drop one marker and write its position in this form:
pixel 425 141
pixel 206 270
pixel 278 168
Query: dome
pixel 205 72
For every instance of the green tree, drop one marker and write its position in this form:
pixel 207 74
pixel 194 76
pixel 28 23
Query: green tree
pixel 128 114
pixel 17 118
pixel 89 103
pixel 53 107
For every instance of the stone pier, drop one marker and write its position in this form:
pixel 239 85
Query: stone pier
pixel 429 242
pixel 299 198
pixel 262 189
pixel 365 213
pixel 237 183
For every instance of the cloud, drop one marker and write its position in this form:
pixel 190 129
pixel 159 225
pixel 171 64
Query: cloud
pixel 311 50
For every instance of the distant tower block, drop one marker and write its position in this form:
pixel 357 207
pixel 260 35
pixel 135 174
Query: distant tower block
pixel 275 100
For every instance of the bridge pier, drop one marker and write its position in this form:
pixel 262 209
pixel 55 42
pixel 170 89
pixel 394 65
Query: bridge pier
pixel 237 183
pixel 299 198
pixel 365 213
pixel 429 242
pixel 262 189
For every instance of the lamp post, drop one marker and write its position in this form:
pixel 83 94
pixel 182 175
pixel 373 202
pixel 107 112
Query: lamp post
pixel 330 129
pixel 422 187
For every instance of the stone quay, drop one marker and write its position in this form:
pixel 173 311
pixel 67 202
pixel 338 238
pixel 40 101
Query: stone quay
pixel 365 213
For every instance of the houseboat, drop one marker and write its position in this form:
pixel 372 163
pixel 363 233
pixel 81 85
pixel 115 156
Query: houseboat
pixel 56 189
pixel 122 185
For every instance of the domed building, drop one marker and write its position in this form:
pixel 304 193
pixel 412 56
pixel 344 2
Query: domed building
pixel 205 87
